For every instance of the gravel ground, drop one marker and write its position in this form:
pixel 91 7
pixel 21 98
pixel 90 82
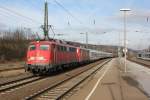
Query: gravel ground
pixel 8 70
pixel 11 73
pixel 11 65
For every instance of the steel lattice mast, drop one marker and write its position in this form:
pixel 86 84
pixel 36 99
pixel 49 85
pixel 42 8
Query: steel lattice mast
pixel 46 26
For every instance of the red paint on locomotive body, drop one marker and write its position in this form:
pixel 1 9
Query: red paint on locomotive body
pixel 49 54
pixel 39 53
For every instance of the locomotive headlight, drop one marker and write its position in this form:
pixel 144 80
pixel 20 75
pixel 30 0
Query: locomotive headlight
pixel 36 58
pixel 40 58
pixel 31 58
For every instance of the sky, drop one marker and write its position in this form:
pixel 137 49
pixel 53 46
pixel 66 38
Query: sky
pixel 101 19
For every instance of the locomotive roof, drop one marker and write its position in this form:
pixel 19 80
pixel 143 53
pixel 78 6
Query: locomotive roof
pixel 63 44
pixel 53 42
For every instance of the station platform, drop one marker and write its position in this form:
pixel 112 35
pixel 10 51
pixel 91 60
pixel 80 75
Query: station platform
pixel 141 74
pixel 110 83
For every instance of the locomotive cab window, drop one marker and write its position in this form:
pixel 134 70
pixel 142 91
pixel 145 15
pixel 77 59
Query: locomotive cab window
pixel 44 47
pixel 32 47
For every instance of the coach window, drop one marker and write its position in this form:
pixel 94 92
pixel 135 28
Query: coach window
pixel 44 47
pixel 32 47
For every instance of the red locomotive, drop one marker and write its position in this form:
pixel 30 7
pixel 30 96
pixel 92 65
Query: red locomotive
pixel 45 56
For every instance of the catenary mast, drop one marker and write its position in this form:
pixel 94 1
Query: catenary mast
pixel 46 26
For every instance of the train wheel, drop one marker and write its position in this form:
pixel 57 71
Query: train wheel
pixel 33 71
pixel 49 71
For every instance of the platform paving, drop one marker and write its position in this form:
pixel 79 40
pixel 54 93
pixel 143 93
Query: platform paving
pixel 141 74
pixel 112 84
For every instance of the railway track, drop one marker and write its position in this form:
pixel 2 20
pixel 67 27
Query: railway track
pixel 7 81
pixel 61 89
pixel 8 86
pixel 32 88
pixel 140 62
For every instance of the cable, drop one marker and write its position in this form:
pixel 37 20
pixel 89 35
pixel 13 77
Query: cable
pixel 60 5
pixel 18 14
pixel 13 19
pixel 6 12
pixel 52 31
pixel 2 16
pixel 9 17
pixel 74 17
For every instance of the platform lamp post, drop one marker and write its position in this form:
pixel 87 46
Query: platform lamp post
pixel 86 34
pixel 125 38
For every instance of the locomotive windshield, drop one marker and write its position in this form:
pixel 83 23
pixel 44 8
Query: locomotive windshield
pixel 44 47
pixel 32 47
